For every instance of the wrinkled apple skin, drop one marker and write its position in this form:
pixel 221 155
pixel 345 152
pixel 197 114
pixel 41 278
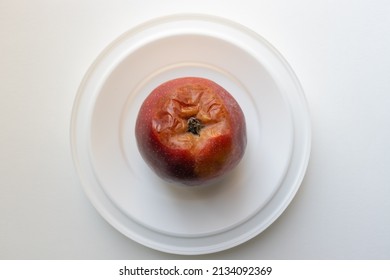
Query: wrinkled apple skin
pixel 174 151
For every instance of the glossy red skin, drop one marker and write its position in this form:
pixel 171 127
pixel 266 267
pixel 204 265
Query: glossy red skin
pixel 180 156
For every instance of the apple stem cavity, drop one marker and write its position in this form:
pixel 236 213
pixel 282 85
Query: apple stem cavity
pixel 194 126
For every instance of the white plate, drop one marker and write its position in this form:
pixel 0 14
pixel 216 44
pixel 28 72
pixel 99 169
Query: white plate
pixel 177 219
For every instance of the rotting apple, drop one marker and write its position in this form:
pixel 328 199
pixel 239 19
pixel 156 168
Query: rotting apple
pixel 191 131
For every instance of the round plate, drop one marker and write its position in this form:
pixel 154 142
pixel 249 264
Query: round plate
pixel 185 220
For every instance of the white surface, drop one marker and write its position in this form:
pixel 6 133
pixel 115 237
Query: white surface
pixel 178 219
pixel 339 51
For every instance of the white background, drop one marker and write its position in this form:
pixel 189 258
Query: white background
pixel 340 51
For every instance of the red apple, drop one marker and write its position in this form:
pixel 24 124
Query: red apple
pixel 191 130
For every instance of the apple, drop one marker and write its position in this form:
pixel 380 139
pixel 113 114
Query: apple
pixel 191 131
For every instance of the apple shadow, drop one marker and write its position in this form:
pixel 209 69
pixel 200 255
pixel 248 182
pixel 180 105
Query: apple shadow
pixel 208 191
